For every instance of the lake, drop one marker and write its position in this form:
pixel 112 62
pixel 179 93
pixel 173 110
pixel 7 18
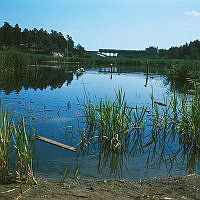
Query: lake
pixel 49 96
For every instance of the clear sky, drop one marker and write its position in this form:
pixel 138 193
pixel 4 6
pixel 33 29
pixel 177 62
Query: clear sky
pixel 118 24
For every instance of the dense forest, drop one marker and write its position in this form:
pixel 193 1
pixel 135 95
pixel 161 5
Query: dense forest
pixel 186 51
pixel 42 42
pixel 38 41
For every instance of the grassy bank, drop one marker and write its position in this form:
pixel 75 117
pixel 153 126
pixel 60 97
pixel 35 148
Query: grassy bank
pixel 14 57
pixel 11 60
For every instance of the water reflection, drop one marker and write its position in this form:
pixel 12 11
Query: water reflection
pixel 161 151
pixel 163 147
pixel 161 141
pixel 55 76
pixel 37 78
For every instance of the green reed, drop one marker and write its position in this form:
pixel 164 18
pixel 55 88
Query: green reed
pixel 113 126
pixel 24 140
pixel 178 119
pixel 111 123
pixel 12 60
pixel 6 131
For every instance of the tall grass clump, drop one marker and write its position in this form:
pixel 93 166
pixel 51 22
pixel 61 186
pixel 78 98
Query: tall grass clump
pixel 24 143
pixel 6 131
pixel 112 124
pixel 23 140
pixel 178 120
pixel 115 129
pixel 189 127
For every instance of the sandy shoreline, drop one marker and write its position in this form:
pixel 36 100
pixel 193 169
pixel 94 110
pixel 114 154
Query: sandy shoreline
pixel 175 187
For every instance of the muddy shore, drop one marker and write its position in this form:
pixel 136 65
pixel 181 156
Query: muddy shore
pixel 170 188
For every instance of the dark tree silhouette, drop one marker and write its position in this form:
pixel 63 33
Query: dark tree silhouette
pixel 37 41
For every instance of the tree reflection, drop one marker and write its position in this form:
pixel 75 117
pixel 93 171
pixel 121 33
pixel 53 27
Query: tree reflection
pixel 35 78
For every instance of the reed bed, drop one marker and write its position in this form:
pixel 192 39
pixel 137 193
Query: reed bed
pixel 24 143
pixel 6 132
pixel 12 60
pixel 113 126
pixel 110 123
pixel 23 140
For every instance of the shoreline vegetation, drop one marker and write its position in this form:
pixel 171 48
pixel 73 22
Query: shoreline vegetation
pixel 15 61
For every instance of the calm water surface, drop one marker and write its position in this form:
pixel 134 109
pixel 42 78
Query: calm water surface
pixel 48 98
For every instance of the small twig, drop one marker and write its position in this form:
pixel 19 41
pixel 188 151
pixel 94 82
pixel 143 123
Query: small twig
pixel 22 194
pixel 79 196
pixel 8 191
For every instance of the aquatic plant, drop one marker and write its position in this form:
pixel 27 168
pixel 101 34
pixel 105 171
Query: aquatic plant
pixel 111 123
pixel 113 126
pixel 6 131
pixel 178 120
pixel 24 141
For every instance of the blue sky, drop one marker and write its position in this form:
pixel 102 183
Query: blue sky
pixel 118 24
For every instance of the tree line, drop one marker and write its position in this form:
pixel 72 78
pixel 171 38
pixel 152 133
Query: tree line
pixel 38 41
pixel 187 51
pixel 42 42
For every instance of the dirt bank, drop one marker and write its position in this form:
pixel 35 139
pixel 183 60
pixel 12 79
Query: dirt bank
pixel 183 187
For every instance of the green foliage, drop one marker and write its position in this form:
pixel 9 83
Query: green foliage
pixel 37 41
pixel 111 123
pixel 24 143
pixel 117 129
pixel 6 132
pixel 186 51
pixel 183 75
pixel 12 60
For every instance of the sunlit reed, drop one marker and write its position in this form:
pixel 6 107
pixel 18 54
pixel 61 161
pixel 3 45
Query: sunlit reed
pixel 6 131
pixel 24 140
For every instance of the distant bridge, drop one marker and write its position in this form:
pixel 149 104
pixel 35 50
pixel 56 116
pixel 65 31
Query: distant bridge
pixel 109 52
pixel 151 51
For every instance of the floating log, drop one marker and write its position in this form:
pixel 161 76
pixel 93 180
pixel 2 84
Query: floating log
pixel 159 103
pixel 56 143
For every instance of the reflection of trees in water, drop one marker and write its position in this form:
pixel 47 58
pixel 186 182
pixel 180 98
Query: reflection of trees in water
pixel 179 83
pixel 35 78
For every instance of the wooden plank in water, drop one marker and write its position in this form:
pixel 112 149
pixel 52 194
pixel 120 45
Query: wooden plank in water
pixel 56 143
